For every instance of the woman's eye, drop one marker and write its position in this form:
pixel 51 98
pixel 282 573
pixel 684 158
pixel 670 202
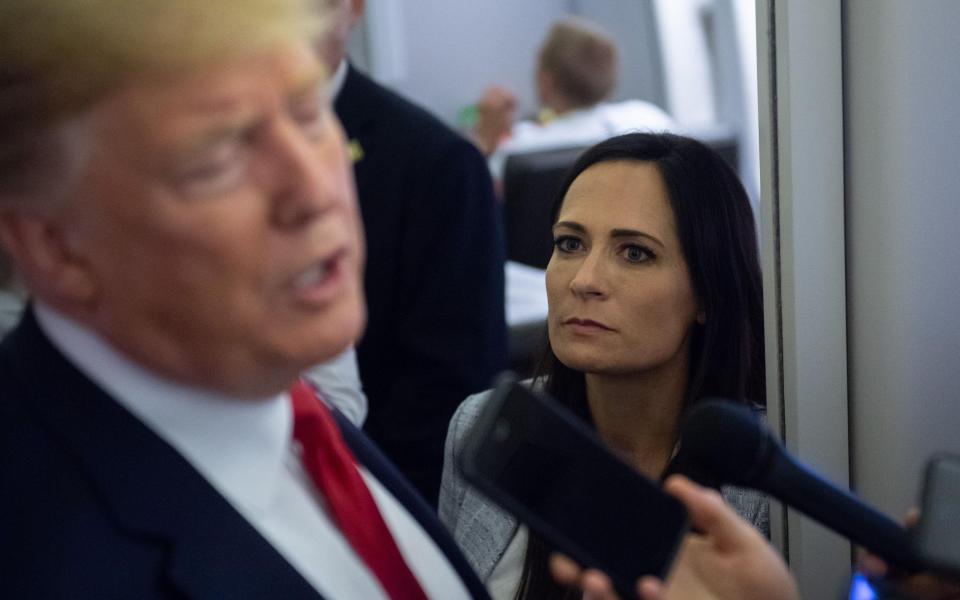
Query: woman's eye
pixel 567 244
pixel 637 254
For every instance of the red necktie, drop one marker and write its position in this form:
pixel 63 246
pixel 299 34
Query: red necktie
pixel 333 470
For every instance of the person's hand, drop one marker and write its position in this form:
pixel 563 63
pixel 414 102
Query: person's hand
pixel 595 584
pixel 495 115
pixel 918 586
pixel 729 561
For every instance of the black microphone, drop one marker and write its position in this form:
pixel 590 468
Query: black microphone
pixel 723 442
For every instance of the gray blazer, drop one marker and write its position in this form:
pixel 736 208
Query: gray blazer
pixel 483 530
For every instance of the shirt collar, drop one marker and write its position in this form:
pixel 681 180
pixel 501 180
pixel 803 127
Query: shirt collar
pixel 336 82
pixel 238 445
pixel 578 114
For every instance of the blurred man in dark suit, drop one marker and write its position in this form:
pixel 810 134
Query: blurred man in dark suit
pixel 435 257
pixel 176 195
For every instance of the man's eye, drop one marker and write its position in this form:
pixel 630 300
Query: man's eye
pixel 214 173
pixel 637 254
pixel 311 116
pixel 567 243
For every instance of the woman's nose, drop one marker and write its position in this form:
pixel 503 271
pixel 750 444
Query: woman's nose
pixel 588 282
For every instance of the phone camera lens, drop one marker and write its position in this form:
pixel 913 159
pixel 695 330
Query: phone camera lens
pixel 501 431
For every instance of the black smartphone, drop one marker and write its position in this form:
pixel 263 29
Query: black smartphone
pixel 936 538
pixel 542 464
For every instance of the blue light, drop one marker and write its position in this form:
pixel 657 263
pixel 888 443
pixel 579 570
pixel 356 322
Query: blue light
pixel 860 589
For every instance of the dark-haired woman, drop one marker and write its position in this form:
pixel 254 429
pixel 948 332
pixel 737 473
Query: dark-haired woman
pixel 654 302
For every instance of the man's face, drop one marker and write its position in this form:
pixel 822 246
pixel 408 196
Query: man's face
pixel 217 222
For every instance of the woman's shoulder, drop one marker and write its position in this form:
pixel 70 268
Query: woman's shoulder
pixel 469 410
pixel 481 528
pixel 751 505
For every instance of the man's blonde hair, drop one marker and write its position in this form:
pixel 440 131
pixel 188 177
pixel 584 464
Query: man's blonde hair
pixel 582 59
pixel 59 57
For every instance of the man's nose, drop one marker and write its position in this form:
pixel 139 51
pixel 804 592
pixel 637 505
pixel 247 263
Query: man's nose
pixel 307 184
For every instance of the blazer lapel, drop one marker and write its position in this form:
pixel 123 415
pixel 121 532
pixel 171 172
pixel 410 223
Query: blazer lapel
pixel 151 491
pixel 378 465
pixel 485 530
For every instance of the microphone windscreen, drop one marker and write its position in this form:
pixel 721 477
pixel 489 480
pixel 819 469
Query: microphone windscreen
pixel 727 441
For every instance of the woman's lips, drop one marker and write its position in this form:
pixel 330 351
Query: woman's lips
pixel 586 325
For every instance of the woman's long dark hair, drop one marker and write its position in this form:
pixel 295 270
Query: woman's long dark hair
pixel 718 237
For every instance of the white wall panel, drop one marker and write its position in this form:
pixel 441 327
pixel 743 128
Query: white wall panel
pixel 801 133
pixel 443 53
pixel 902 116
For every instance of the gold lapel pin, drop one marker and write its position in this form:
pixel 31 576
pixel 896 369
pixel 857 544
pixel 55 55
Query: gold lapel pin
pixel 356 151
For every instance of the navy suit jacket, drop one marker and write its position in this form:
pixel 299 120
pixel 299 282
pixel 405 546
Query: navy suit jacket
pixel 93 504
pixel 434 279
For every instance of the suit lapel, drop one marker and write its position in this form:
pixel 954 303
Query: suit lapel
pixel 378 465
pixel 148 489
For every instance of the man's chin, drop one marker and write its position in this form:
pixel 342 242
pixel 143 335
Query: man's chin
pixel 323 349
pixel 317 342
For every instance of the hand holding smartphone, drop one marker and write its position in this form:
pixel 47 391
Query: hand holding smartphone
pixel 539 462
pixel 936 538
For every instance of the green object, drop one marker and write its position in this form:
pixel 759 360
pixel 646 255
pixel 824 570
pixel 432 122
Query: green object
pixel 467 117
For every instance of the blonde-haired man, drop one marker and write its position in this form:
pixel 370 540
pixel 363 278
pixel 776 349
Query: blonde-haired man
pixel 576 72
pixel 177 197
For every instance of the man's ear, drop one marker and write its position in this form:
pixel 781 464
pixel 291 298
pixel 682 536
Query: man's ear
pixel 357 8
pixel 36 242
pixel 544 87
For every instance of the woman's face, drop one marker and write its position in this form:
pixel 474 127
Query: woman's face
pixel 620 296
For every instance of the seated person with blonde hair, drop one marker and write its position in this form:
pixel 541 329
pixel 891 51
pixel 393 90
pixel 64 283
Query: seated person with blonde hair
pixel 576 71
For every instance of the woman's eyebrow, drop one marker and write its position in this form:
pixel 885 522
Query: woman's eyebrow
pixel 570 225
pixel 614 233
pixel 619 233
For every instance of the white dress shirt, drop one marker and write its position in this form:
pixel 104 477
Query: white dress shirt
pixel 582 127
pixel 11 306
pixel 335 84
pixel 338 380
pixel 504 580
pixel 244 449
